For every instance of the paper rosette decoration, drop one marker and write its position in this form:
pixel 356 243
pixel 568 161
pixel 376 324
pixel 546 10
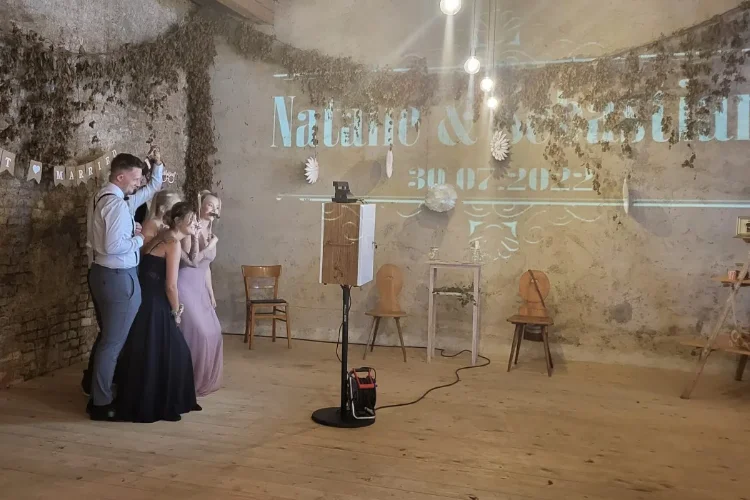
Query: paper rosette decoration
pixel 441 198
pixel 311 170
pixel 500 145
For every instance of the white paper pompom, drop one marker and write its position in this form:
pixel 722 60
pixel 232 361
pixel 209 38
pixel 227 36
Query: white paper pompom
pixel 441 198
pixel 311 170
pixel 500 145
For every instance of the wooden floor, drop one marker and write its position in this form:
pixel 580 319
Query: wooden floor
pixel 590 431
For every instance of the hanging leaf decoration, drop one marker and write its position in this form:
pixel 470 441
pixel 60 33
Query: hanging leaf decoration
pixel 389 162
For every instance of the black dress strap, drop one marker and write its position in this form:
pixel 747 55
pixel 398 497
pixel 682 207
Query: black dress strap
pixel 154 247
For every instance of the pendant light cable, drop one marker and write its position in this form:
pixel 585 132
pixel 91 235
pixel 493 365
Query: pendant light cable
pixel 494 33
pixel 474 29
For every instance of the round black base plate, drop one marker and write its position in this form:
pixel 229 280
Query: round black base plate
pixel 332 417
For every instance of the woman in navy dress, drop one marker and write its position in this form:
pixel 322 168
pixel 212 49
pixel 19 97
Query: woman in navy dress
pixel 155 370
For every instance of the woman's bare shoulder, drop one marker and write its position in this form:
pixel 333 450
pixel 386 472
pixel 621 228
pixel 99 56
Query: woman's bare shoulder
pixel 171 242
pixel 172 247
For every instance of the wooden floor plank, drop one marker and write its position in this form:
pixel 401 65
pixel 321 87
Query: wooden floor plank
pixel 503 474
pixel 591 431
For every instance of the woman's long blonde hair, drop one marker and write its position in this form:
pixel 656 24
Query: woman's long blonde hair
pixel 163 202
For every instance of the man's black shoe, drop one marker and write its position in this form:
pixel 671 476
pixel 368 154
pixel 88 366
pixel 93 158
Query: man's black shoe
pixel 86 383
pixel 104 413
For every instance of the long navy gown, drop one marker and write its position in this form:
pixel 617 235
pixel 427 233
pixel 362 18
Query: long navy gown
pixel 155 371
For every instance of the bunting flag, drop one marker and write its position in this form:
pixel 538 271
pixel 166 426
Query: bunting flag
pixel 99 164
pixel 70 176
pixel 96 170
pixel 81 174
pixel 7 162
pixel 35 171
pixel 90 172
pixel 59 173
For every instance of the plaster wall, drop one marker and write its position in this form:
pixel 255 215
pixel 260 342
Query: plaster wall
pixel 623 286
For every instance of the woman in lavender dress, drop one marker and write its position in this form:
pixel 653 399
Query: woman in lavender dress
pixel 200 325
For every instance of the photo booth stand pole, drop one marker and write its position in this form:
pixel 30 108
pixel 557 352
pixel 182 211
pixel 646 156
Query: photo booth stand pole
pixel 346 259
pixel 346 297
pixel 341 416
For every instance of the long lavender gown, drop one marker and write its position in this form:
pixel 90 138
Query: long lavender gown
pixel 200 325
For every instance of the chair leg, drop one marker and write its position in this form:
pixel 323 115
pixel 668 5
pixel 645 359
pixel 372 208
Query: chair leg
pixel 401 337
pixel 547 354
pixel 546 334
pixel 518 345
pixel 370 337
pixel 741 363
pixel 288 327
pixel 247 323
pixel 252 328
pixel 273 326
pixel 430 313
pixel 375 333
pixel 513 346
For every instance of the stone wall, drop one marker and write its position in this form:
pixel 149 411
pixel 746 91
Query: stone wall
pixel 46 316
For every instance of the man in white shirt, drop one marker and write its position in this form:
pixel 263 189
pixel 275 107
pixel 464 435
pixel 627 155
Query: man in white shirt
pixel 115 248
pixel 155 158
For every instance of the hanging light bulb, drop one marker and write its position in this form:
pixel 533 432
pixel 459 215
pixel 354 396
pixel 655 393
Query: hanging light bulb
pixel 492 102
pixel 487 84
pixel 450 7
pixel 471 66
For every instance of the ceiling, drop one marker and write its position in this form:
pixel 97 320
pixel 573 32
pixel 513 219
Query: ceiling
pixel 394 31
pixel 257 11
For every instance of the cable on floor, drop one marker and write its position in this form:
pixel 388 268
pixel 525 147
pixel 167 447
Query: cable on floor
pixel 442 354
pixel 458 379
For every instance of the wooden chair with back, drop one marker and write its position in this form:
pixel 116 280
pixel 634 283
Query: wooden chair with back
pixel 533 288
pixel 388 281
pixel 253 276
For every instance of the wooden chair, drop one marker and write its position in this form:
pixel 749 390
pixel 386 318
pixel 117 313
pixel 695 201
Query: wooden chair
pixel 280 312
pixel 388 281
pixel 533 289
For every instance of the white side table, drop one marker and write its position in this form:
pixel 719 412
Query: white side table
pixel 432 313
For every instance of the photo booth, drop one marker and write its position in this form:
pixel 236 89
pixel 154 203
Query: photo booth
pixel 347 256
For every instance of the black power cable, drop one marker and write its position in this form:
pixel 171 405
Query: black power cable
pixel 341 327
pixel 442 354
pixel 458 379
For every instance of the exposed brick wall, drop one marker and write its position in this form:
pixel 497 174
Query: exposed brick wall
pixel 46 315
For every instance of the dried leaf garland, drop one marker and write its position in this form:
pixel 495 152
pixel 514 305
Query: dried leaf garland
pixel 637 87
pixel 43 90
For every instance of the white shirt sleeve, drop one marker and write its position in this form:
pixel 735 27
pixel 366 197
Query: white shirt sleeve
pixel 148 191
pixel 118 228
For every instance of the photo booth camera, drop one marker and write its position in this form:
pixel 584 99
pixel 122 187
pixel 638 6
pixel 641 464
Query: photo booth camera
pixel 347 258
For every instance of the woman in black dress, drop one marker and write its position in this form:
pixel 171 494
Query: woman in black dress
pixel 155 371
